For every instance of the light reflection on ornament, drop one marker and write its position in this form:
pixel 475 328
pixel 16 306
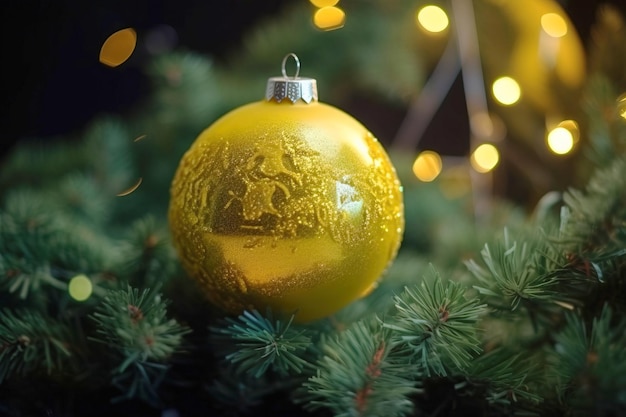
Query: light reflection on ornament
pixel 432 18
pixel 554 25
pixel 118 47
pixel 348 199
pixel 329 18
pixel 506 90
pixel 80 288
pixel 427 166
pixel 485 157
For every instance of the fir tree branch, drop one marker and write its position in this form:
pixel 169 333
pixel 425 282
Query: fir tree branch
pixel 361 374
pixel 590 363
pixel 504 377
pixel 437 325
pixel 234 393
pixel 31 342
pixel 524 274
pixel 42 247
pixel 256 344
pixel 135 327
pixel 135 324
pixel 107 144
pixel 596 226
pixel 148 257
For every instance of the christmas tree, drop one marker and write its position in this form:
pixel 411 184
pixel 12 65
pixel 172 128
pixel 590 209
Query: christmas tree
pixel 506 297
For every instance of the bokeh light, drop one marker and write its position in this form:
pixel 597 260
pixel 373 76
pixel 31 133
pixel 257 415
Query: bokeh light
pixel 506 90
pixel 80 288
pixel 621 106
pixel 485 157
pixel 427 166
pixel 554 25
pixel 329 18
pixel 433 18
pixel 324 3
pixel 573 128
pixel 118 47
pixel 560 140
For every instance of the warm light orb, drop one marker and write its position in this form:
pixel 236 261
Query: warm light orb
pixel 506 90
pixel 621 106
pixel 427 166
pixel 560 140
pixel 118 47
pixel 573 128
pixel 80 288
pixel 329 18
pixel 485 158
pixel 554 25
pixel 433 18
pixel 324 3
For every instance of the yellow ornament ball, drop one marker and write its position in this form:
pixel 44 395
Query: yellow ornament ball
pixel 286 203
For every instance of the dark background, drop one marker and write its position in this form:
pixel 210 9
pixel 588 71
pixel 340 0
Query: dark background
pixel 53 83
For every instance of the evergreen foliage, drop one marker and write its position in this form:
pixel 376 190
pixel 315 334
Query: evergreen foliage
pixel 521 315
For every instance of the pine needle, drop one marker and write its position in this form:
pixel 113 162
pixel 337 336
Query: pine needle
pixel 361 374
pixel 437 325
pixel 256 344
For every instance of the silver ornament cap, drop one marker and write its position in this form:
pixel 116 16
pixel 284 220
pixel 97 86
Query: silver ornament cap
pixel 292 88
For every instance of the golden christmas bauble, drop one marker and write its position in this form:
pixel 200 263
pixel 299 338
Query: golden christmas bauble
pixel 286 203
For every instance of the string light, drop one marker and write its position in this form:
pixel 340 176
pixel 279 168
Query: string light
pixel 485 157
pixel 80 288
pixel 427 166
pixel 433 19
pixel 506 90
pixel 329 18
pixel 118 47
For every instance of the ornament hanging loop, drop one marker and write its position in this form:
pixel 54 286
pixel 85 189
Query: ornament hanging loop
pixel 284 64
pixel 294 88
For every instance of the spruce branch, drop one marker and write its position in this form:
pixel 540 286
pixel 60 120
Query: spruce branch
pixel 31 342
pixel 596 226
pixel 148 257
pixel 42 246
pixel 239 392
pixel 361 373
pixel 606 128
pixel 437 325
pixel 135 327
pixel 590 363
pixel 254 344
pixel 82 199
pixel 135 324
pixel 186 91
pixel 139 379
pixel 521 274
pixel 505 377
pixel 107 144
